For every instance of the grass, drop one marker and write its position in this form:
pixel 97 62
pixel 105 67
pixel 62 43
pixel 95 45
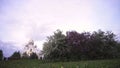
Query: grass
pixel 79 64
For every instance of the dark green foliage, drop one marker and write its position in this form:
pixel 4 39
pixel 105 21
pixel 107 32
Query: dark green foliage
pixel 82 46
pixel 33 56
pixel 1 55
pixel 15 56
pixel 98 45
pixel 104 43
pixel 78 43
pixel 25 55
pixel 118 51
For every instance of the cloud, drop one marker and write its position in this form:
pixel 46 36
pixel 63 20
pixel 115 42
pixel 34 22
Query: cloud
pixel 8 48
pixel 37 19
pixel 21 20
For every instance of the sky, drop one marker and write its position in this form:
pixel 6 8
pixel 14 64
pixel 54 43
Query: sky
pixel 22 20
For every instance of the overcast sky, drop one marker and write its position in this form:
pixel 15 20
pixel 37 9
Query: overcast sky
pixel 22 20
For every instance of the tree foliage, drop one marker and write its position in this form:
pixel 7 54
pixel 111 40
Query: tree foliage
pixel 33 56
pixel 1 55
pixel 55 47
pixel 15 56
pixel 80 46
pixel 30 51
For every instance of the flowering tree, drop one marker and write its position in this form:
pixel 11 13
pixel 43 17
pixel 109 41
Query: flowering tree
pixel 29 49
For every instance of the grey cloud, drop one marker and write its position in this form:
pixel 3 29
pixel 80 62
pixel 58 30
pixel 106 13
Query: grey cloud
pixel 8 48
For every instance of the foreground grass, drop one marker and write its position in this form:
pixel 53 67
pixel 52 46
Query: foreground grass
pixel 41 64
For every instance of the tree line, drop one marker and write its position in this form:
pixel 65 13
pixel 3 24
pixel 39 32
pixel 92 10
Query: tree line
pixel 76 46
pixel 17 56
pixel 28 53
pixel 81 46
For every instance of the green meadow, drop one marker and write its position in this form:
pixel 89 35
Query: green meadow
pixel 43 64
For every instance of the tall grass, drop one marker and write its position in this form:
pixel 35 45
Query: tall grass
pixel 41 64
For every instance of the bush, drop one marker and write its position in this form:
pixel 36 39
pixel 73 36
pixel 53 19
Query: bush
pixel 1 55
pixel 33 56
pixel 15 56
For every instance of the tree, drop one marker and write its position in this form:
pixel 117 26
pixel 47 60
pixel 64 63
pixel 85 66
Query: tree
pixel 33 56
pixel 25 55
pixel 55 47
pixel 102 45
pixel 117 49
pixel 78 44
pixel 30 50
pixel 1 55
pixel 15 56
pixel 98 45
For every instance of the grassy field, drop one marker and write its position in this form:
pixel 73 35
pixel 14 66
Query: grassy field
pixel 41 64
